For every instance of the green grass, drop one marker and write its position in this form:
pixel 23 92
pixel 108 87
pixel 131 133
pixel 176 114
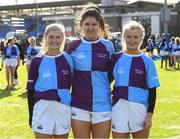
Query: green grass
pixel 166 119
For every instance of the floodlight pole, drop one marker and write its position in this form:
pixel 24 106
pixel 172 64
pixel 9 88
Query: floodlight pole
pixel 165 22
pixel 37 18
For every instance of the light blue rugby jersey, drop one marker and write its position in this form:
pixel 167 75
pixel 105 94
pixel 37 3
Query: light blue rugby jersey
pixel 11 52
pixel 91 86
pixel 50 77
pixel 134 75
pixel 31 52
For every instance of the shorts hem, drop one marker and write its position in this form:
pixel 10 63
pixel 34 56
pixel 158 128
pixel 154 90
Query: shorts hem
pixel 136 130
pixel 42 132
pixel 75 118
pixel 119 131
pixel 101 121
pixel 62 133
pixel 48 133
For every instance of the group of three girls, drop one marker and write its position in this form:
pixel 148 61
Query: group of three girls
pixel 90 65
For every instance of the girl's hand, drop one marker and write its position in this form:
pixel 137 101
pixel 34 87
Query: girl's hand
pixel 148 121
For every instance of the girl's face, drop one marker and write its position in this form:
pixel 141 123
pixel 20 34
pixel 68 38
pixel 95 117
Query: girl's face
pixel 132 39
pixel 90 28
pixel 54 40
pixel 11 43
pixel 32 42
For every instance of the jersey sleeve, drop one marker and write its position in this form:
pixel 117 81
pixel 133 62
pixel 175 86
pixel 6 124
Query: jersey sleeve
pixel 110 48
pixel 33 73
pixel 73 45
pixel 17 51
pixel 152 77
pixel 70 61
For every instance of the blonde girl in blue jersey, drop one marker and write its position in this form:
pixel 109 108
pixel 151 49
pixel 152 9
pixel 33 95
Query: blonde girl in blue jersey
pixel 91 98
pixel 48 86
pixel 31 51
pixel 134 91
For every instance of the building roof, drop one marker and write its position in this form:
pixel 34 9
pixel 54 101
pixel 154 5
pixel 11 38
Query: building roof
pixel 48 4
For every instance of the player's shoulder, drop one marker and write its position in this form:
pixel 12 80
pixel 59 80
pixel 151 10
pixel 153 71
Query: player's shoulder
pixel 73 45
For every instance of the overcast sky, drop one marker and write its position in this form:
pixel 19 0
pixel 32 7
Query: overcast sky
pixel 10 2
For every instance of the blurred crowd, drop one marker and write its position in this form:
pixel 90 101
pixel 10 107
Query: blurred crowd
pixel 157 47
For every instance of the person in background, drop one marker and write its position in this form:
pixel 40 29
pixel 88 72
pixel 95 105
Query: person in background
pixel 11 58
pixel 15 80
pixel 134 92
pixel 1 51
pixel 91 97
pixel 150 47
pixel 117 44
pixel 172 47
pixel 164 53
pixel 31 51
pixel 177 52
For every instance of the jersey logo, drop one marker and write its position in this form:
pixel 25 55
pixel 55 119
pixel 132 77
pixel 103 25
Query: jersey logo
pixel 40 126
pixel 65 72
pixel 65 127
pixel 138 71
pixel 105 115
pixel 46 74
pixel 100 55
pixel 120 70
pixel 140 124
pixel 114 126
pixel 80 55
pixel 73 113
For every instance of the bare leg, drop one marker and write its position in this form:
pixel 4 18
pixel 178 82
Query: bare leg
pixel 120 135
pixel 81 129
pixel 174 59
pixel 64 136
pixel 8 76
pixel 12 75
pixel 101 130
pixel 141 134
pixel 41 136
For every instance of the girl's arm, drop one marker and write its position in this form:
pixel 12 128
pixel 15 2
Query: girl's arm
pixel 151 106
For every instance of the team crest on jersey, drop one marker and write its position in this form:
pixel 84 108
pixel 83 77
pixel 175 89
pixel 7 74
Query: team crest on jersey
pixel 46 74
pixel 80 55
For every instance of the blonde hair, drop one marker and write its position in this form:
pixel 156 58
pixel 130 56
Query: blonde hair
pixel 92 10
pixel 8 41
pixel 53 27
pixel 131 25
